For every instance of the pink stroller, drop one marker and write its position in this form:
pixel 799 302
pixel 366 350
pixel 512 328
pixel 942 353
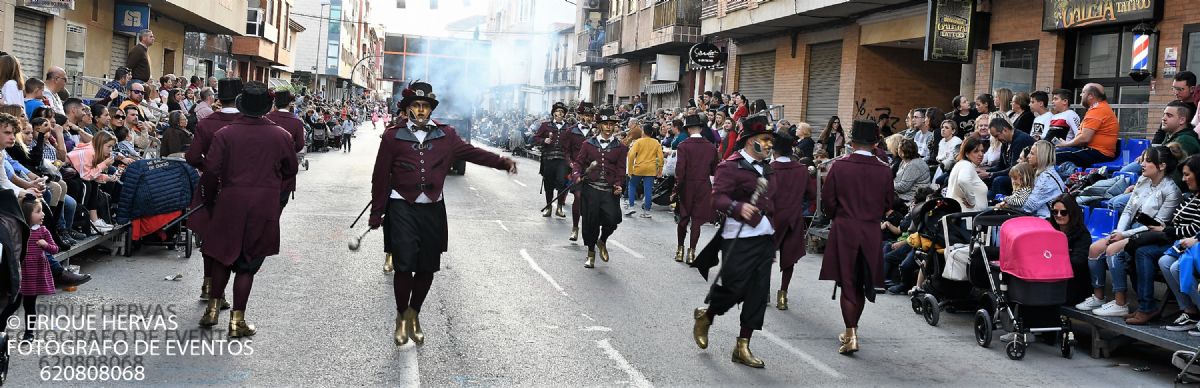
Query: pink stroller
pixel 1026 286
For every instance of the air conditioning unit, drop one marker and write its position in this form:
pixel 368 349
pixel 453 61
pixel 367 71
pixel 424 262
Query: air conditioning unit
pixel 76 38
pixel 593 4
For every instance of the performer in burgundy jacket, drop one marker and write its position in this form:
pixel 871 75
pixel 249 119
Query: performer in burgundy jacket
pixel 206 128
pixel 795 189
pixel 282 116
pixel 245 167
pixel 586 113
pixel 602 185
pixel 744 239
pixel 414 158
pixel 696 162
pixel 555 146
pixel 856 194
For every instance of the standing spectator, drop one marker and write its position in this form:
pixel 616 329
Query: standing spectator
pixel 348 129
pixel 110 94
pixel 14 81
pixel 138 60
pixel 645 162
pixel 1185 90
pixel 205 106
pixel 1039 103
pixel 1020 116
pixel 56 82
pixel 833 138
pixel 1097 139
pixel 963 116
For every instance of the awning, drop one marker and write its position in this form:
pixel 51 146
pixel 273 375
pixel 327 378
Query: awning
pixel 662 88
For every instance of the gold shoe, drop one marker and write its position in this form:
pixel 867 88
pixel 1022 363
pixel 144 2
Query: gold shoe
pixel 782 300
pixel 574 234
pixel 400 337
pixel 559 211
pixel 700 329
pixel 546 213
pixel 414 326
pixel 691 256
pixel 849 340
pixel 679 254
pixel 591 259
pixel 238 327
pixel 387 264
pixel 212 313
pixel 603 251
pixel 742 354
pixel 205 288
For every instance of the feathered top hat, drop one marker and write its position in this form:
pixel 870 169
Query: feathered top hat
pixel 607 114
pixel 559 106
pixel 585 108
pixel 256 99
pixel 417 91
pixel 864 132
pixel 753 126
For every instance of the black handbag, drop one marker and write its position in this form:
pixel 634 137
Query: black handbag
pixel 1146 238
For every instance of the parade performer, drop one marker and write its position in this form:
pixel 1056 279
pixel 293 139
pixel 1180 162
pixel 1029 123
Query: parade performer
pixel 795 190
pixel 245 167
pixel 601 185
pixel 552 138
pixel 284 117
pixel 744 239
pixel 857 192
pixel 696 163
pixel 586 112
pixel 406 199
pixel 206 128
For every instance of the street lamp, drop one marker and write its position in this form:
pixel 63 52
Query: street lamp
pixel 321 31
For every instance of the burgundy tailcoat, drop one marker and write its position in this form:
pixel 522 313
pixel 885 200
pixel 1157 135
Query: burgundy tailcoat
pixel 696 163
pixel 246 165
pixel 201 141
pixel 857 192
pixel 733 188
pixel 291 123
pixel 610 162
pixel 558 138
pixel 794 187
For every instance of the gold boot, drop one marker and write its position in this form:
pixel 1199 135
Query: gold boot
pixel 574 234
pixel 679 254
pixel 400 337
pixel 546 213
pixel 742 354
pixel 413 324
pixel 849 340
pixel 559 211
pixel 212 313
pixel 782 300
pixel 603 251
pixel 387 264
pixel 700 329
pixel 238 327
pixel 591 259
pixel 205 289
pixel 691 256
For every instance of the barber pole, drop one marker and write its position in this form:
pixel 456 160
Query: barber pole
pixel 1141 52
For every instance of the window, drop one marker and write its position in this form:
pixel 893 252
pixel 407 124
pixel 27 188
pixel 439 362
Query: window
pixel 1190 57
pixel 254 22
pixel 1106 54
pixel 1014 66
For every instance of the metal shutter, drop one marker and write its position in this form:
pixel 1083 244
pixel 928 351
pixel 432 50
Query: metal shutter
pixel 29 41
pixel 74 69
pixel 824 82
pixel 756 76
pixel 120 52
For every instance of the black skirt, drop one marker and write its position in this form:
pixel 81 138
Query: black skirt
pixel 415 234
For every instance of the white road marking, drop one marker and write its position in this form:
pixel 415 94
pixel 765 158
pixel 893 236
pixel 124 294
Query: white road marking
pixel 803 356
pixel 411 374
pixel 538 269
pixel 595 328
pixel 519 183
pixel 637 379
pixel 502 225
pixel 589 317
pixel 626 249
pixel 473 188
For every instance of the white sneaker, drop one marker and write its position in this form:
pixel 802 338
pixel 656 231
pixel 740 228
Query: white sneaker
pixel 645 214
pixel 1111 310
pixel 1089 304
pixel 102 226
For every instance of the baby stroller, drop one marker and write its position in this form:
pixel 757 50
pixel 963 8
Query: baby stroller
pixel 939 227
pixel 319 138
pixel 153 200
pixel 1026 288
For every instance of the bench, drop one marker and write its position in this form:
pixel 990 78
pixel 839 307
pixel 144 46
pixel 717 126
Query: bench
pixel 114 238
pixel 1109 333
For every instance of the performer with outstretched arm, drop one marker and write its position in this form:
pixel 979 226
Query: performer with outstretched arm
pixel 414 158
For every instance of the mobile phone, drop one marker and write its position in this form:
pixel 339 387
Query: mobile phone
pixel 1144 219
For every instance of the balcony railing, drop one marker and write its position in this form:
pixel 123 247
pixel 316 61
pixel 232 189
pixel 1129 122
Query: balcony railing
pixel 676 13
pixel 734 5
pixel 613 31
pixel 591 39
pixel 560 76
pixel 708 9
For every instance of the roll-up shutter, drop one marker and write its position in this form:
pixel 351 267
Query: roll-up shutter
pixel 120 52
pixel 29 41
pixel 756 76
pixel 824 82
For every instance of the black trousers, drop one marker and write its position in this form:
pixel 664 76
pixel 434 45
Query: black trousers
pixel 554 175
pixel 601 215
pixel 745 278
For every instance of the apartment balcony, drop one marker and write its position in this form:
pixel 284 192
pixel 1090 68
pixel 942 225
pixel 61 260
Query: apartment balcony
pixel 676 13
pixel 708 8
pixel 256 48
pixel 738 19
pixel 612 38
pixel 561 78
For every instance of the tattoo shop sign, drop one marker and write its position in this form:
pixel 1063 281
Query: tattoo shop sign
pixel 706 56
pixel 949 37
pixel 1066 14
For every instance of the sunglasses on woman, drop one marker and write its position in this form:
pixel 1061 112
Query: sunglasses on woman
pixel 1060 213
pixel 119 117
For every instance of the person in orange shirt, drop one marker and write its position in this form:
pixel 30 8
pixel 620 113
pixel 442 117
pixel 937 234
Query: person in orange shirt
pixel 1097 138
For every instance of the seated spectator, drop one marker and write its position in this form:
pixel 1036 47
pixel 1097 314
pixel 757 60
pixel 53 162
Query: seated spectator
pixel 963 184
pixel 1047 185
pixel 1021 177
pixel 1183 232
pixel 34 95
pixel 1067 217
pixel 1154 196
pixel 912 174
pixel 92 164
pixel 177 138
pixel 1097 138
pixel 898 255
pixel 1013 142
pixel 947 148
pixel 126 153
pixel 101 119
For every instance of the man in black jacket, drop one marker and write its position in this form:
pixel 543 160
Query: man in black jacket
pixel 1015 142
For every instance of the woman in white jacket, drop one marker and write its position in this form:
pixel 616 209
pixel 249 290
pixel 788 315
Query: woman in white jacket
pixel 964 184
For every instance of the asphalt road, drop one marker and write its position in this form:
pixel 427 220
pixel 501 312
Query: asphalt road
pixel 513 306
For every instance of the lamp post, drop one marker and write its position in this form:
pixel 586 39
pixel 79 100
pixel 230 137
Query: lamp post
pixel 321 31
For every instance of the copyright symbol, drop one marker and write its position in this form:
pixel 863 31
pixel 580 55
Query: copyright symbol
pixel 14 322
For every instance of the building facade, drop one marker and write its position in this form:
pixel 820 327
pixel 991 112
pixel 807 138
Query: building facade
pixel 266 51
pixel 337 33
pixel 562 75
pixel 521 32
pixel 458 69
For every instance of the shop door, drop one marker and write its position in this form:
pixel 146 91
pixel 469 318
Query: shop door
pixel 756 76
pixel 120 52
pixel 824 82
pixel 29 41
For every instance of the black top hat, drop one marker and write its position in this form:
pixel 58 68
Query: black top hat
pixel 607 114
pixel 785 140
pixel 693 121
pixel 864 132
pixel 228 89
pixel 283 98
pixel 585 108
pixel 256 99
pixel 559 105
pixel 418 91
pixel 753 126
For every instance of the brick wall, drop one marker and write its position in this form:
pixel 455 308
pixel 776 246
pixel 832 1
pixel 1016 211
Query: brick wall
pixel 1177 13
pixel 850 70
pixel 1020 21
pixel 894 80
pixel 791 76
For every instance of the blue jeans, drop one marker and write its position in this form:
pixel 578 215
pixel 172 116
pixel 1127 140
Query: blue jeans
pixel 1169 266
pixel 1000 185
pixel 55 267
pixel 1146 264
pixel 1097 269
pixel 66 219
pixel 1134 167
pixel 897 258
pixel 1118 202
pixel 647 183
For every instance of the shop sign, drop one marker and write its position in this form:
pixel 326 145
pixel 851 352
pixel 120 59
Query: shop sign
pixel 705 56
pixel 51 4
pixel 1066 14
pixel 949 36
pixel 131 17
